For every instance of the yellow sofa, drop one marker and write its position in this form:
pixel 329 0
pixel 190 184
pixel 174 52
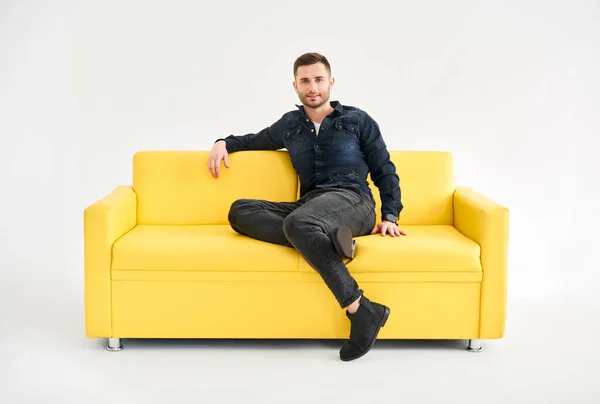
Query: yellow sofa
pixel 161 260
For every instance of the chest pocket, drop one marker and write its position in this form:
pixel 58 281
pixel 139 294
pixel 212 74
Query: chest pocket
pixel 294 140
pixel 345 136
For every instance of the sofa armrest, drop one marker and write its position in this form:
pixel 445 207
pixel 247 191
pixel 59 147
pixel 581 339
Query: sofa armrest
pixel 104 222
pixel 486 222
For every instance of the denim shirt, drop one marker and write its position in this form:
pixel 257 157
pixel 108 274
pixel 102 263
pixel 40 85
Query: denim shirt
pixel 349 145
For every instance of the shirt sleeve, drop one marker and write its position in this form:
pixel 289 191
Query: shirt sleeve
pixel 270 138
pixel 382 169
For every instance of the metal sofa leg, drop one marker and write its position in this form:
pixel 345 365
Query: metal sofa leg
pixel 114 344
pixel 474 345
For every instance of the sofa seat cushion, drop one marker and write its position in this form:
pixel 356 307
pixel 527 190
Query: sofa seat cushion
pixel 425 248
pixel 198 248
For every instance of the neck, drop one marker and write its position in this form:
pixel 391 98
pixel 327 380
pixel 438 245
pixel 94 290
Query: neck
pixel 317 115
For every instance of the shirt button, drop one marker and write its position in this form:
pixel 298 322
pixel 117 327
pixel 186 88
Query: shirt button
pixel 312 130
pixel 317 146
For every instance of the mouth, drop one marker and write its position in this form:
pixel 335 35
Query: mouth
pixel 312 97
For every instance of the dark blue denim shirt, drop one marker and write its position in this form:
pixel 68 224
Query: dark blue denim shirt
pixel 349 146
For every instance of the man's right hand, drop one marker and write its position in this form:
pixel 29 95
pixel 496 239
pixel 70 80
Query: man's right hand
pixel 218 153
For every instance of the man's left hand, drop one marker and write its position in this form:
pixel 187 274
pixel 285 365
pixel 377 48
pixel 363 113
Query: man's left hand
pixel 389 228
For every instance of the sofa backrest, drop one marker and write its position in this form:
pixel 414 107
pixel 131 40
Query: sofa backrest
pixel 427 185
pixel 175 187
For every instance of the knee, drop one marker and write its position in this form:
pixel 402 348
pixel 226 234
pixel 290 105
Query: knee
pixel 295 224
pixel 290 223
pixel 237 208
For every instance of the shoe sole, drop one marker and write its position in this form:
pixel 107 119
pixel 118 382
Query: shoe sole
pixel 342 240
pixel 386 314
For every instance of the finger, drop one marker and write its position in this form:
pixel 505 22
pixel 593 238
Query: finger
pixel 397 231
pixel 213 169
pixel 218 168
pixel 374 231
pixel 226 160
pixel 383 230
pixel 402 232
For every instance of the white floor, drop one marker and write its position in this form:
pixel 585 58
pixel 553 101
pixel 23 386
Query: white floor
pixel 550 355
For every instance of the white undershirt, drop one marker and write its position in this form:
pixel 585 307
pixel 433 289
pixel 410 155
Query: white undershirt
pixel 317 126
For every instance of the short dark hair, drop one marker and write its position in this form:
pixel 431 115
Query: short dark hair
pixel 311 59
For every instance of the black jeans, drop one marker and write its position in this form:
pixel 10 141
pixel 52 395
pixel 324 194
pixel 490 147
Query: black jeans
pixel 306 225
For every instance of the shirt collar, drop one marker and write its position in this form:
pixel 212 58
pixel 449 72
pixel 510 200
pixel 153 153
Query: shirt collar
pixel 337 106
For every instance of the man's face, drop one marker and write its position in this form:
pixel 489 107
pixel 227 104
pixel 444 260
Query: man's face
pixel 313 85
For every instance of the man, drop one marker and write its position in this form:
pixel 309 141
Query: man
pixel 333 148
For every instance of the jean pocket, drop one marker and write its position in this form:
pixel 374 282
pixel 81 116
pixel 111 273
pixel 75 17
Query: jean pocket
pixel 367 224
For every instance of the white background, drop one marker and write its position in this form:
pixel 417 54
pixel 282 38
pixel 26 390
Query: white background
pixel 511 88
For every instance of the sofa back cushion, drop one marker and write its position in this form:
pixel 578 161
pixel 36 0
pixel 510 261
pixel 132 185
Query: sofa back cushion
pixel 175 187
pixel 427 185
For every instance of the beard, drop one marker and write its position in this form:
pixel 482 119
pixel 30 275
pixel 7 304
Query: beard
pixel 318 102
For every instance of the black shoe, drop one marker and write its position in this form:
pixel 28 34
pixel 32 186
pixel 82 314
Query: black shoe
pixel 343 242
pixel 364 328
